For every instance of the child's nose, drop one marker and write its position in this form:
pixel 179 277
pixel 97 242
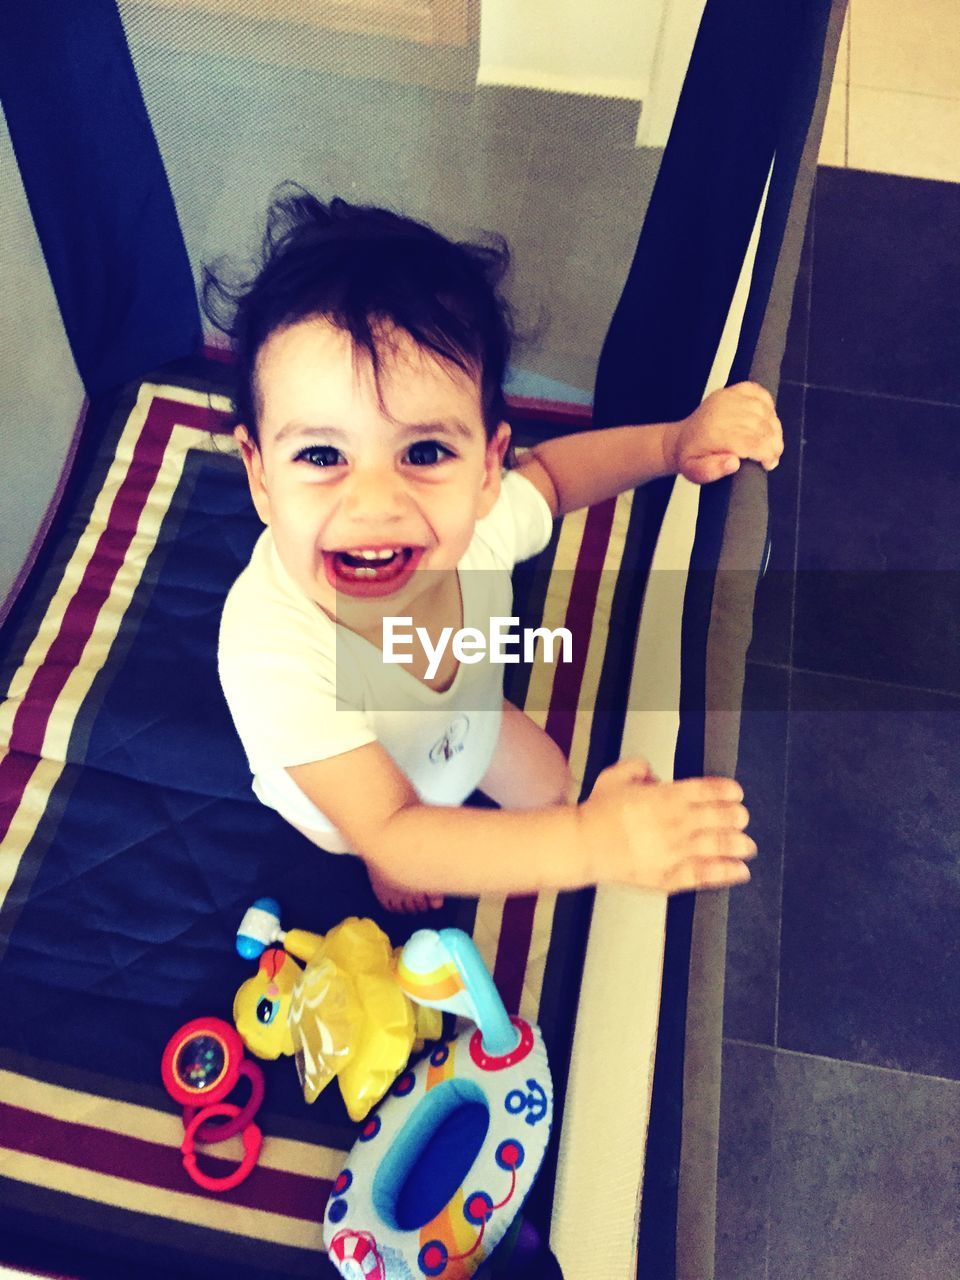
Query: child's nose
pixel 374 496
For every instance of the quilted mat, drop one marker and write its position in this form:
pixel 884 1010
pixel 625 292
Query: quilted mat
pixel 132 844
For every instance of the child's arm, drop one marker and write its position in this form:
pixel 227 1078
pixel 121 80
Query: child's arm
pixel 664 836
pixel 733 423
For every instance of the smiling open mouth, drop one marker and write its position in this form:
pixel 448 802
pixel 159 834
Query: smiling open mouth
pixel 370 572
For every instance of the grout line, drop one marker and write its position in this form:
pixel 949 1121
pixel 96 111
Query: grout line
pixel 783 854
pixel 843 1062
pixel 837 675
pixel 790 671
pixel 886 684
pixel 846 100
pixel 765 662
pixel 880 395
pixel 848 17
pixel 808 323
pixel 783 861
pixel 910 93
pixel 788 726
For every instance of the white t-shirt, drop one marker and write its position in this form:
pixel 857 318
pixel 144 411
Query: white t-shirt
pixel 301 688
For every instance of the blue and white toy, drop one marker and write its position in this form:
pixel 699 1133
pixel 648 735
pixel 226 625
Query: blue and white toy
pixel 442 1168
pixel 259 929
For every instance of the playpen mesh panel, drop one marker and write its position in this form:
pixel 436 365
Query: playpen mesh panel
pixel 40 392
pixel 240 102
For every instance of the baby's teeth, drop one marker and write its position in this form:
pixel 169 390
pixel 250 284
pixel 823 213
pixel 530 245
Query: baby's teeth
pixel 365 573
pixel 376 555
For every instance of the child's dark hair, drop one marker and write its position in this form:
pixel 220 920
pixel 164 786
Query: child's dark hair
pixel 367 270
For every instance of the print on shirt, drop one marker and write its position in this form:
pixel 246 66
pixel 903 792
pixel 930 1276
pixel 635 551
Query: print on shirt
pixel 452 742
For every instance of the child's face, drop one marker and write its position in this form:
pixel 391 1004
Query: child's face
pixel 337 473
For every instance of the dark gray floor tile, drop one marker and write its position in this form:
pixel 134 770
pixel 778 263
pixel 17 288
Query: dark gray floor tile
pixel 773 611
pixel 745 1162
pixel 794 366
pixel 864 1174
pixel 885 304
pixel 753 926
pixel 834 1171
pixel 878 588
pixel 870 966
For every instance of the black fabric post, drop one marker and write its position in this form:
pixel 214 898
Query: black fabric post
pixel 665 330
pixel 97 189
pixel 749 91
pixel 789 103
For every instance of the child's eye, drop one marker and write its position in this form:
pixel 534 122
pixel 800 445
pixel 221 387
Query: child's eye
pixel 319 455
pixel 427 453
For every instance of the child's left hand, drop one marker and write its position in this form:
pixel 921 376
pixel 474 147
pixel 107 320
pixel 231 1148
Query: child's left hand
pixel 732 423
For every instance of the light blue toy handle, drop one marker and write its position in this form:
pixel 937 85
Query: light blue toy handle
pixel 259 928
pixel 497 1032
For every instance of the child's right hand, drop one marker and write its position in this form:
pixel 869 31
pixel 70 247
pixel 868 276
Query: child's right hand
pixel 668 836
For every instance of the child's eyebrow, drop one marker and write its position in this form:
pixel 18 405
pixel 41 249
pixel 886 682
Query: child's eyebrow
pixel 305 429
pixel 445 426
pixel 407 430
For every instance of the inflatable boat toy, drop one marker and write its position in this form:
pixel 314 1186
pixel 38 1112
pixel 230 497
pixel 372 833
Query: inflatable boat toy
pixel 343 1015
pixel 441 1170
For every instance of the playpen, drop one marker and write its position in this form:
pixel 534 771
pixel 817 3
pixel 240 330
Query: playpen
pixel 650 165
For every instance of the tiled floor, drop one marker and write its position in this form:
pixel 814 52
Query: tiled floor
pixel 833 1171
pixel 840 1116
pixel 895 105
pixel 840 1119
pixel 840 1123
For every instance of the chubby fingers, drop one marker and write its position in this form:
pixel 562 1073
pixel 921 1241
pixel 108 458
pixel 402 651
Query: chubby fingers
pixel 711 790
pixel 706 873
pixel 762 429
pixel 717 847
pixel 722 842
pixel 717 819
pixel 754 391
pixel 743 423
pixel 727 815
pixel 768 448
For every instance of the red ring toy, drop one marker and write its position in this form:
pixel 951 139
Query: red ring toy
pixel 201 1065
pixel 211 1133
pixel 252 1140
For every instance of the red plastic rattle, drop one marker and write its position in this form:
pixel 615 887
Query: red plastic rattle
pixel 252 1140
pixel 201 1065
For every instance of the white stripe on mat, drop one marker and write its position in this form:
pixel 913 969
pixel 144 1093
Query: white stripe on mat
pixel 596 1208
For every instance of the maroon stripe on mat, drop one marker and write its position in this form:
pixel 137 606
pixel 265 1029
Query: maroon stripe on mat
pixel 152 1164
pixel 80 615
pixel 16 770
pixel 584 589
pixel 516 929
pixel 513 947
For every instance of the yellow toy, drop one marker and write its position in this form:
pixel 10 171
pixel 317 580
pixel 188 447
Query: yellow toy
pixel 343 1014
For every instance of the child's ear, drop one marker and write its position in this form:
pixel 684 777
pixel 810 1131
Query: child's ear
pixel 253 462
pixel 497 447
